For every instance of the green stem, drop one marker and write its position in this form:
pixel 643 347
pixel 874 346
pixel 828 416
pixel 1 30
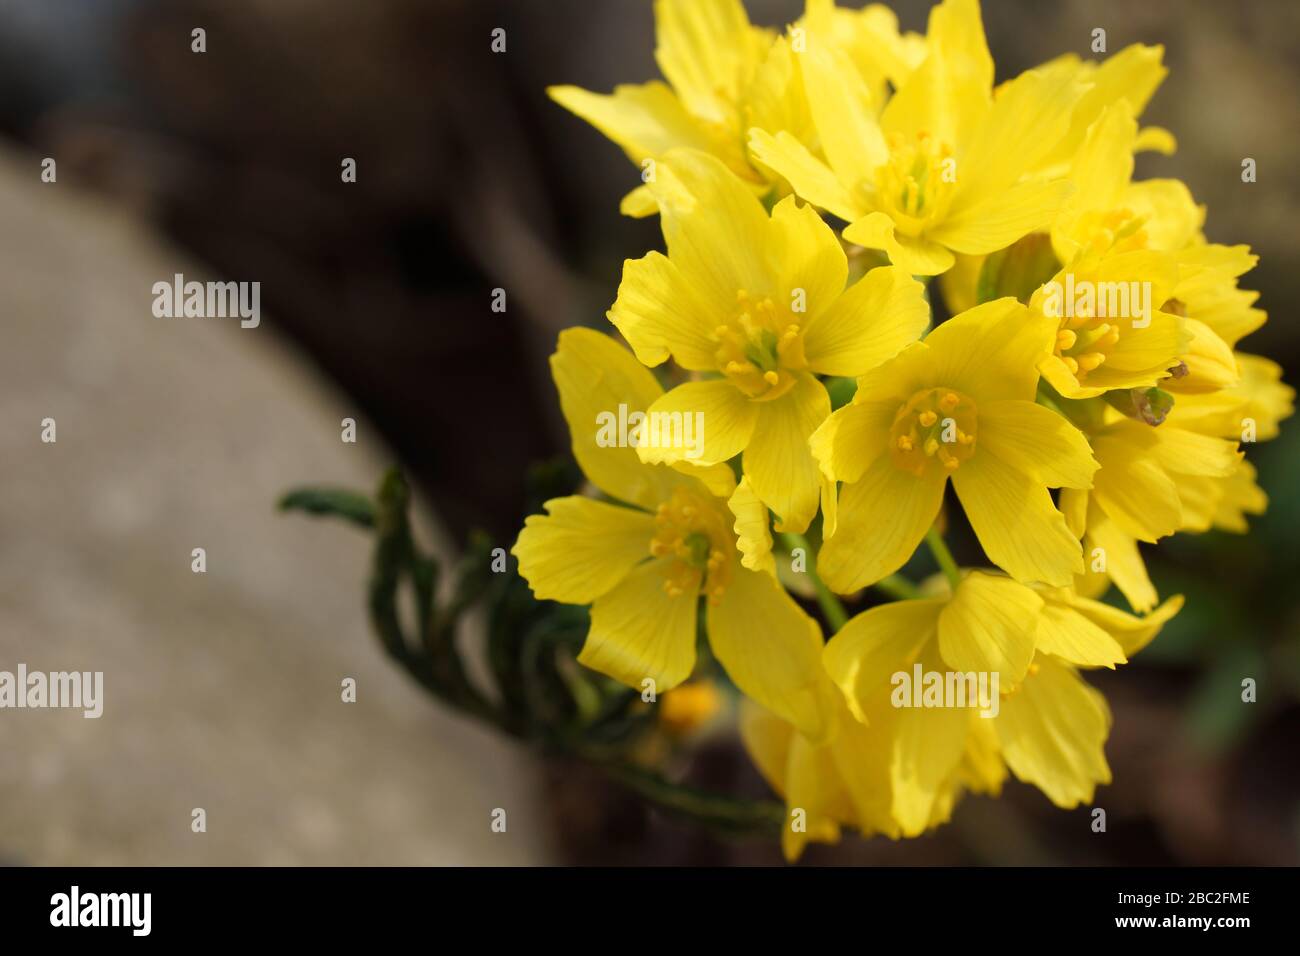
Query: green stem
pixel 898 587
pixel 942 555
pixel 727 816
pixel 832 609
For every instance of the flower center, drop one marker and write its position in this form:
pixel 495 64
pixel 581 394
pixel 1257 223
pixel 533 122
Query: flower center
pixel 760 347
pixel 914 186
pixel 1084 340
pixel 936 425
pixel 697 535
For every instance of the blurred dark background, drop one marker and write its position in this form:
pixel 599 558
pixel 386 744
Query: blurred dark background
pixel 469 179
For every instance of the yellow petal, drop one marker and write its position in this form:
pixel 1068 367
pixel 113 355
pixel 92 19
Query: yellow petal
pixel 704 423
pixel 638 203
pixel 1129 631
pixel 950 93
pixel 1187 453
pixel 1029 116
pixel 842 111
pixel 771 650
pixel 1103 166
pixel 753 536
pixel 863 753
pixel 588 399
pixel 581 548
pixel 853 437
pixel 882 519
pixel 830 499
pixel 1123 560
pixel 767 739
pixel 1173 219
pixel 874 645
pixel 810 178
pixel 1241 496
pixel 1053 734
pixel 645 120
pixel 1017 524
pixel 1134 73
pixel 982 768
pixel 1210 363
pixel 1132 488
pixel 928 746
pixel 639 633
pixel 719 479
pixel 1038 441
pixel 879 315
pixel 778 461
pixel 921 257
pixel 715 228
pixel 805 258
pixel 815 799
pixel 776 99
pixel 990 625
pixel 992 352
pixel 984 223
pixel 1075 639
pixel 660 313
pixel 1155 139
pixel 708 52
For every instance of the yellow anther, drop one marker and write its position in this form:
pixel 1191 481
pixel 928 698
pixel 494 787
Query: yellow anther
pixel 1065 340
pixel 936 424
pixel 1071 364
pixel 772 378
pixel 1090 361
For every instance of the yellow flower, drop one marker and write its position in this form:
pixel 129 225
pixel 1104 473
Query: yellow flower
pixel 723 75
pixel 1048 725
pixel 1251 410
pixel 1111 332
pixel 1240 495
pixel 643 568
pixel 959 405
pixel 1111 217
pixel 944 169
pixel 1132 75
pixel 689 707
pixel 1153 481
pixel 759 302
pixel 1107 211
pixel 870 41
pixel 1219 314
pixel 846 780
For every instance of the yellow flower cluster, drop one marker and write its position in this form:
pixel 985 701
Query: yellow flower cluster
pixel 810 186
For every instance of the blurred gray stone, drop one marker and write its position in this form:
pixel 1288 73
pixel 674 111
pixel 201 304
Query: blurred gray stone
pixel 222 690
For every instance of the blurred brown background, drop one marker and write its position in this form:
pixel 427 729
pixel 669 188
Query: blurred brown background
pixel 222 690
